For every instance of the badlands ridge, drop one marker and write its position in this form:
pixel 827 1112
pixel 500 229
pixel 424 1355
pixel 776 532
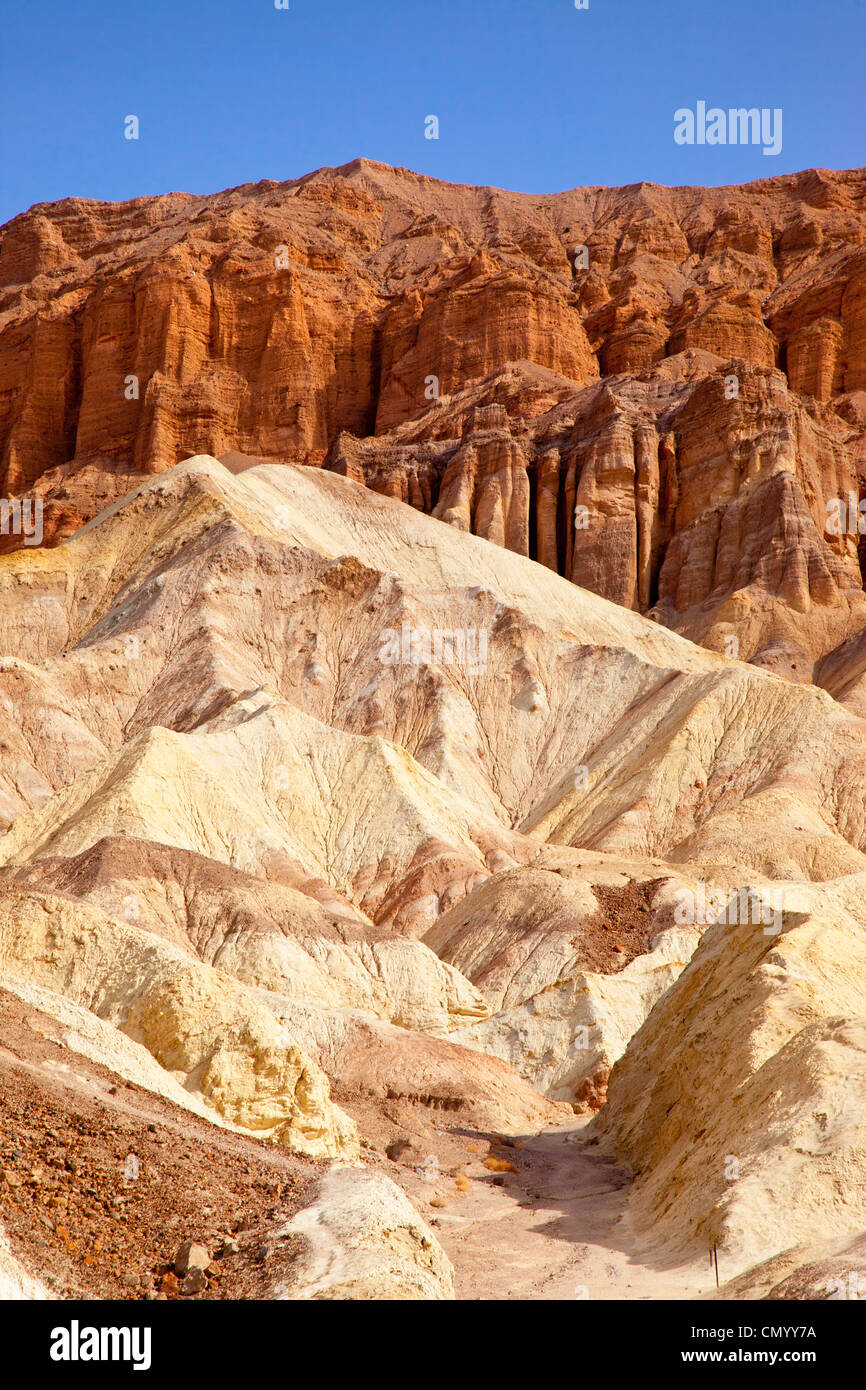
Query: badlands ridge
pixel 390 859
pixel 353 907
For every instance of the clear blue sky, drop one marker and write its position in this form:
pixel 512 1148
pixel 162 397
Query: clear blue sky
pixel 530 94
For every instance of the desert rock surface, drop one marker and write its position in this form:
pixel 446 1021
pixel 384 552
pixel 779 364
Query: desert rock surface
pixel 659 393
pixel 423 872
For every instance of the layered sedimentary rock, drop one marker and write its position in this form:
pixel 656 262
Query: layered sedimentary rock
pixel 566 1003
pixel 315 949
pixel 334 823
pixel 709 514
pixel 200 1025
pixel 765 1089
pixel 656 392
pixel 448 758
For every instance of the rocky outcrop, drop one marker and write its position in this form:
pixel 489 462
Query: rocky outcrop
pixel 341 826
pixel 158 693
pixel 311 946
pixel 363 1241
pixel 85 1034
pixel 656 392
pixel 708 513
pixel 567 1002
pixel 200 1025
pixel 764 1089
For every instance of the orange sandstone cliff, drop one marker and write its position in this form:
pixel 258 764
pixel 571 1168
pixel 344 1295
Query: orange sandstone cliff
pixel 658 392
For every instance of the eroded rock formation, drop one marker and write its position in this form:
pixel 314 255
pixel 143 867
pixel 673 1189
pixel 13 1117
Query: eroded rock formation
pixel 392 791
pixel 656 392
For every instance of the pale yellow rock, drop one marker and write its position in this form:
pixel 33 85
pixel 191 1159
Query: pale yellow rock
pixel 740 1105
pixel 575 1029
pixel 268 792
pixel 687 755
pixel 215 665
pixel 380 1063
pixel 84 1033
pixel 210 1032
pixel 521 937
pixel 309 946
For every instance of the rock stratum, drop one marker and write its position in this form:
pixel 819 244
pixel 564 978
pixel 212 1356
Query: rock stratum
pixel 389 868
pixel 659 393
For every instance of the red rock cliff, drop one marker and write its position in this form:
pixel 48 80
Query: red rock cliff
pixel 663 417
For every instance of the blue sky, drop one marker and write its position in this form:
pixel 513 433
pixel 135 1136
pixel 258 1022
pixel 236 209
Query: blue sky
pixel 530 94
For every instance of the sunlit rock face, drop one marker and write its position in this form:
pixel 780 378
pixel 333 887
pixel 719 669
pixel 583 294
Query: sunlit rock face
pixel 659 393
pixel 436 709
